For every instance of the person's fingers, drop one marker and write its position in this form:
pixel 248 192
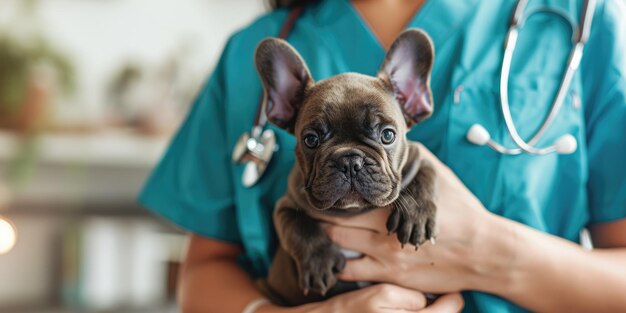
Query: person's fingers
pixel 392 297
pixel 363 269
pixel 450 303
pixel 357 239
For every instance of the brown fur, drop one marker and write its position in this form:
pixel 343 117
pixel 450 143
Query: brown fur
pixel 352 170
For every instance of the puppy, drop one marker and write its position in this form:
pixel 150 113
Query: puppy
pixel 352 156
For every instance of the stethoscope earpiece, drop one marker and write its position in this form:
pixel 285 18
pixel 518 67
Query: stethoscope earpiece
pixel 478 135
pixel 566 144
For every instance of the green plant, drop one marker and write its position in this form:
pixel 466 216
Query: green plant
pixel 22 51
pixel 16 62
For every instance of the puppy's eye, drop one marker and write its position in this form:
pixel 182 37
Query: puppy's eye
pixel 388 136
pixel 311 141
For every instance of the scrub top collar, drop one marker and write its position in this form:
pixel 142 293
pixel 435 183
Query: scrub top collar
pixel 353 38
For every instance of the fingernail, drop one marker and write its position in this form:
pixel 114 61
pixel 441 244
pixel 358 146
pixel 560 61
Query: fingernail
pixel 432 241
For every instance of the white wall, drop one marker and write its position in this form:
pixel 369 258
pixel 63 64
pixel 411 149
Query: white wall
pixel 100 34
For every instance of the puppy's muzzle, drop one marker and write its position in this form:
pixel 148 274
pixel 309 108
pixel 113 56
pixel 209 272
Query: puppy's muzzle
pixel 350 164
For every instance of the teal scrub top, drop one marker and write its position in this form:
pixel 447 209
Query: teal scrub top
pixel 197 187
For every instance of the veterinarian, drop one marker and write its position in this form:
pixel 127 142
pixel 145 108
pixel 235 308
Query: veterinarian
pixel 510 218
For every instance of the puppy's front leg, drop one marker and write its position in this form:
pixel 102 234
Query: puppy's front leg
pixel 317 258
pixel 414 212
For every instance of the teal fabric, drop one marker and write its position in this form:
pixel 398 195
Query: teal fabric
pixel 197 187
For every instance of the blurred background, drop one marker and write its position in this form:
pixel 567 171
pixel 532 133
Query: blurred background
pixel 90 93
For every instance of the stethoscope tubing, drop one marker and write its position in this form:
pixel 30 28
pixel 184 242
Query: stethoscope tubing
pixel 580 36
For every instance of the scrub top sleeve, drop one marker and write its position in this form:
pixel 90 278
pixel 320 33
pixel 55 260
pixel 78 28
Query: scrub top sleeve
pixel 604 79
pixel 192 184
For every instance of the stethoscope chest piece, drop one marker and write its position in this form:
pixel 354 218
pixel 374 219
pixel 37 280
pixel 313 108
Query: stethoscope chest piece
pixel 255 152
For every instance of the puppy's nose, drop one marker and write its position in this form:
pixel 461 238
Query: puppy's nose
pixel 351 164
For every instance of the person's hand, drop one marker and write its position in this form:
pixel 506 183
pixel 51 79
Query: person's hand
pixel 449 266
pixel 389 298
pixel 376 299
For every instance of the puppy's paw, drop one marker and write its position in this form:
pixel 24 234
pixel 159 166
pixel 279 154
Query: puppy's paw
pixel 413 225
pixel 318 272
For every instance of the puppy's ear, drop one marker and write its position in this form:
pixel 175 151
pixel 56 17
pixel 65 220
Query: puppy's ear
pixel 407 69
pixel 285 77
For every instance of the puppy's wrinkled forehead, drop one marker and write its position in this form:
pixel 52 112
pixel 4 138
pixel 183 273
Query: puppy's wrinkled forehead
pixel 347 97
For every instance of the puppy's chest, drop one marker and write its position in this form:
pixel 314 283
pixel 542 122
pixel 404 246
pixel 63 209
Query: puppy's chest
pixel 341 213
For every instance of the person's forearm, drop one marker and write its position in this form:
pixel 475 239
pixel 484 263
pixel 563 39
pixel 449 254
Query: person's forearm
pixel 221 286
pixel 545 273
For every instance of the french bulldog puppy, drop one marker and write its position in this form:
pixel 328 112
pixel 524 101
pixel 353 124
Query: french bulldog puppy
pixel 352 156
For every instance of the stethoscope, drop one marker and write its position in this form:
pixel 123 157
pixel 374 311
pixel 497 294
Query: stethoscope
pixel 566 144
pixel 255 149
